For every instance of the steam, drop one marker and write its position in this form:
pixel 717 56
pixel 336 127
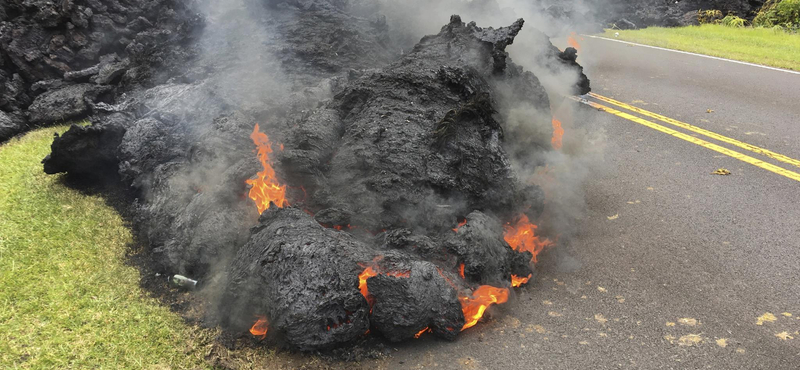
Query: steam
pixel 413 19
pixel 237 53
pixel 235 42
pixel 249 78
pixel 561 174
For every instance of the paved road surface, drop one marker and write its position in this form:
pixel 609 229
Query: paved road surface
pixel 680 278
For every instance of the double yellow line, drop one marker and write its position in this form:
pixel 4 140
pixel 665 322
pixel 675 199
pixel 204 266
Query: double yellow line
pixel 731 153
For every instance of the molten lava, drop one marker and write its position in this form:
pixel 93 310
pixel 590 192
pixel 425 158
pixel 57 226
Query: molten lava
pixel 558 134
pixel 362 282
pixel 461 271
pixel 421 332
pixel 572 40
pixel 517 281
pixel 265 188
pixel 522 237
pixel 260 328
pixel 462 223
pixel 399 274
pixel 475 306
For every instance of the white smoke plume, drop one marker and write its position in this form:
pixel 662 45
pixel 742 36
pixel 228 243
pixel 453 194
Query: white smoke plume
pixel 561 173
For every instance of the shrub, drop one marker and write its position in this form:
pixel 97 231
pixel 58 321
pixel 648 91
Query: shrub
pixel 784 13
pixel 789 12
pixel 709 16
pixel 733 21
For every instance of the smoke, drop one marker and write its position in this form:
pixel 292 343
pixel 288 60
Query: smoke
pixel 528 125
pixel 567 171
pixel 238 42
pixel 246 82
pixel 198 128
pixel 412 19
pixel 234 41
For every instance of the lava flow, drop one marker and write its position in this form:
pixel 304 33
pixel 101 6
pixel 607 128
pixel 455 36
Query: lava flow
pixel 522 237
pixel 362 283
pixel 518 281
pixel 260 328
pixel 475 305
pixel 266 189
pixel 558 134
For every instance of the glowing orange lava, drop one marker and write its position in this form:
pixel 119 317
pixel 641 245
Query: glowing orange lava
pixel 522 237
pixel 475 306
pixel 462 223
pixel 461 271
pixel 260 328
pixel 421 332
pixel 362 282
pixel 517 281
pixel 399 274
pixel 558 134
pixel 265 188
pixel 572 40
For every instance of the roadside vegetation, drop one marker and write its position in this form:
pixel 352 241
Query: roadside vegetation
pixel 755 45
pixel 68 300
pixel 779 13
pixel 772 38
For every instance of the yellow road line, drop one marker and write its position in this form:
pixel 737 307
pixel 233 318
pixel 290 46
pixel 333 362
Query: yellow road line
pixel 713 135
pixel 744 158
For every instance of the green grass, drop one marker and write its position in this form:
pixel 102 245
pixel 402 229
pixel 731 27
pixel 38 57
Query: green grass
pixel 67 300
pixel 755 45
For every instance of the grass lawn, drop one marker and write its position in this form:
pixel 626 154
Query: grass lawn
pixel 67 298
pixel 755 45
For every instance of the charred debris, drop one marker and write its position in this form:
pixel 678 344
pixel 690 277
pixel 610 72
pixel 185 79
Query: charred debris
pixel 391 193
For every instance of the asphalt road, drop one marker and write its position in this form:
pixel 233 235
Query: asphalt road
pixel 679 279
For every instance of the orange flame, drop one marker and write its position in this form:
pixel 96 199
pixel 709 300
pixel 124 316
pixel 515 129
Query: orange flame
pixel 572 41
pixel 362 282
pixel 260 328
pixel 558 134
pixel 522 237
pixel 265 188
pixel 475 306
pixel 517 281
